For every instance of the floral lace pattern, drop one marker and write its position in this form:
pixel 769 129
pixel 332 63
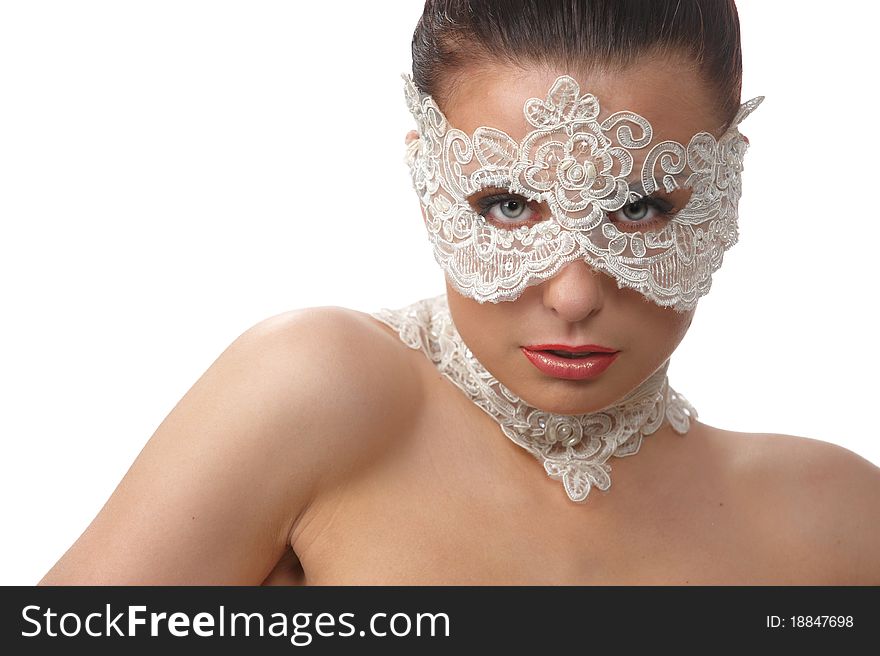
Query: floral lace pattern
pixel 582 167
pixel 573 448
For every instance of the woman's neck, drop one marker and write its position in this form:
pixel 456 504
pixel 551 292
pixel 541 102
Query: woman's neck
pixel 573 448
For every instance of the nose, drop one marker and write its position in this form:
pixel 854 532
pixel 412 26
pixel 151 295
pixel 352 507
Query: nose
pixel 575 292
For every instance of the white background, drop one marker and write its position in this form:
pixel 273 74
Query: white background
pixel 172 172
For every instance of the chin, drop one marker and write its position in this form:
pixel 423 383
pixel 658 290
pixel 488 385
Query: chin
pixel 579 397
pixel 568 397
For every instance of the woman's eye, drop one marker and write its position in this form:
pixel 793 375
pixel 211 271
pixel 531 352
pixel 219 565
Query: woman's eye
pixel 645 213
pixel 508 211
pixel 512 209
pixel 635 211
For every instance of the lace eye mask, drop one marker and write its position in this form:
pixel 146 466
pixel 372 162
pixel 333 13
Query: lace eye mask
pixel 584 168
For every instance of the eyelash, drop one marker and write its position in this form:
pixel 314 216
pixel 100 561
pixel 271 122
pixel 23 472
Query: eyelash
pixel 486 203
pixel 661 205
pixel 664 208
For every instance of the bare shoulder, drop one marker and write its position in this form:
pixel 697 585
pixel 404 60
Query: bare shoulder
pixel 347 374
pixel 817 500
pixel 293 405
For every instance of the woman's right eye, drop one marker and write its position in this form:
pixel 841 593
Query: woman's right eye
pixel 507 210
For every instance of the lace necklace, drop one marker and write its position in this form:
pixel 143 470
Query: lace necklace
pixel 573 448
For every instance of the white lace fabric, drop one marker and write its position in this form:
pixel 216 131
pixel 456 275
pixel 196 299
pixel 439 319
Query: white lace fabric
pixel 582 166
pixel 574 449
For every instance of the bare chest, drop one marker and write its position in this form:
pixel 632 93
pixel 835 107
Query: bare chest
pixel 456 503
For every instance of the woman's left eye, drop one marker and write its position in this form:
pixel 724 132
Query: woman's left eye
pixel 646 212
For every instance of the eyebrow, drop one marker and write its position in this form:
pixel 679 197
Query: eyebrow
pixel 636 185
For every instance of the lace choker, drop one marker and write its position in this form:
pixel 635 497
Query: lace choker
pixel 573 448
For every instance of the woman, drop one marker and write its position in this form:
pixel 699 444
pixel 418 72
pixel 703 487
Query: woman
pixel 578 168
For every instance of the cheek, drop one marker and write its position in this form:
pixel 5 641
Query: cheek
pixel 485 327
pixel 662 329
pixel 652 331
pixel 679 326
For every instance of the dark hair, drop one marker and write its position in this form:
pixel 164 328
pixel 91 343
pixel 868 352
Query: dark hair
pixel 453 35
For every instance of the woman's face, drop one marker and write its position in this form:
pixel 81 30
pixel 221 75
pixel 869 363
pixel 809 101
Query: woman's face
pixel 579 306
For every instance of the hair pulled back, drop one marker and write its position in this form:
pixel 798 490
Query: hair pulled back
pixel 453 36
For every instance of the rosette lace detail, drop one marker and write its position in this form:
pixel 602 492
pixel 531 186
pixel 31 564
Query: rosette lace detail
pixel 574 449
pixel 582 166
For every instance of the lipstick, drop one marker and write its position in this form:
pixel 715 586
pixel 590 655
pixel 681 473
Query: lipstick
pixel 582 362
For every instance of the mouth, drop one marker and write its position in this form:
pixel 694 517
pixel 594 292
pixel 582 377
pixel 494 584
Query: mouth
pixel 564 350
pixel 570 362
pixel 568 354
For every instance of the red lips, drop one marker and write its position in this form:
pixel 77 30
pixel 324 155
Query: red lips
pixel 570 362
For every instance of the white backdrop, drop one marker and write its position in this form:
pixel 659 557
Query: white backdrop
pixel 172 172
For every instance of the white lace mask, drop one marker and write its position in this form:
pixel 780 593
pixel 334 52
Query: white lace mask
pixel 582 167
